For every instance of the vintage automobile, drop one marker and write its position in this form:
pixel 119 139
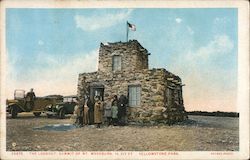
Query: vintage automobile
pixel 20 103
pixel 61 109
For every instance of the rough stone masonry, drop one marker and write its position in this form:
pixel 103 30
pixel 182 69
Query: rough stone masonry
pixel 155 95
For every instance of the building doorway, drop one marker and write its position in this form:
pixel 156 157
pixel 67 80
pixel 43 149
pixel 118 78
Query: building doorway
pixel 97 90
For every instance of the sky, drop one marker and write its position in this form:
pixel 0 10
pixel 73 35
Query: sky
pixel 48 48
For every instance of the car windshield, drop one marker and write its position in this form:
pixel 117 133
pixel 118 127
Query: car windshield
pixel 69 99
pixel 19 94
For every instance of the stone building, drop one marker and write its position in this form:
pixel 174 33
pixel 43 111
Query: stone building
pixel 155 95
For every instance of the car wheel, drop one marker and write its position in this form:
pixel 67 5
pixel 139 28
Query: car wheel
pixel 62 113
pixel 13 112
pixel 37 114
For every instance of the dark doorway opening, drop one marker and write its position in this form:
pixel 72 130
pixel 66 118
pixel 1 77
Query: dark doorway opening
pixel 96 91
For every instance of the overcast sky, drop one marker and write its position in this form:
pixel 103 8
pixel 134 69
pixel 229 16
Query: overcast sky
pixel 48 48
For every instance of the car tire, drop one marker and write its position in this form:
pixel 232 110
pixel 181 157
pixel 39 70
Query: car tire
pixel 13 112
pixel 62 113
pixel 37 114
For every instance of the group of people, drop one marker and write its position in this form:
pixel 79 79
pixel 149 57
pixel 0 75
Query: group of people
pixel 113 112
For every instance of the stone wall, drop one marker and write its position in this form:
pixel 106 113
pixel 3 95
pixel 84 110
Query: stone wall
pixel 154 107
pixel 134 56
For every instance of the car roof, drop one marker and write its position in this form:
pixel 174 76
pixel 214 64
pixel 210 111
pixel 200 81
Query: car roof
pixel 72 96
pixel 53 96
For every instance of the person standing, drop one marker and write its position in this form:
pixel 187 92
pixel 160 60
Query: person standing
pixel 98 111
pixel 86 112
pixel 114 110
pixel 90 104
pixel 122 109
pixel 107 110
pixel 30 98
pixel 78 114
pixel 76 110
pixel 81 113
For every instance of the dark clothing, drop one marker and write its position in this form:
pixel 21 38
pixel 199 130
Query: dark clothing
pixel 91 111
pixel 109 120
pixel 30 97
pixel 90 104
pixel 123 100
pixel 91 117
pixel 30 105
pixel 81 109
pixel 80 121
pixel 122 106
pixel 122 109
pixel 115 121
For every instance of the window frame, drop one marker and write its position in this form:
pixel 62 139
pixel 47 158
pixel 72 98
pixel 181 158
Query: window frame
pixel 116 65
pixel 137 95
pixel 170 95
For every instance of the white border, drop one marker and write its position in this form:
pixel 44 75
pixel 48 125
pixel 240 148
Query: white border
pixel 243 68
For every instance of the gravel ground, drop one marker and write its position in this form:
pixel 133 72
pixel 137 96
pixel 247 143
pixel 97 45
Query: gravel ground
pixel 199 133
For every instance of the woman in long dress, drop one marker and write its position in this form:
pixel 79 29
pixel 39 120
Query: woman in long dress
pixel 98 112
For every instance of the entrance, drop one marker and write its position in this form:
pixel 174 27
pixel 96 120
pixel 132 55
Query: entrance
pixel 96 91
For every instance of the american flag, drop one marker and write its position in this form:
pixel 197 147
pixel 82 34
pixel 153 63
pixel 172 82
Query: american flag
pixel 131 26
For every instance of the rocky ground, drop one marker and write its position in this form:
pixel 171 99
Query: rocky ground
pixel 199 133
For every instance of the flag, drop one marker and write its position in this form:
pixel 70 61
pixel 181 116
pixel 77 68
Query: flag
pixel 131 26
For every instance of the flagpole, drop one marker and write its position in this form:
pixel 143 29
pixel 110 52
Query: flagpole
pixel 127 31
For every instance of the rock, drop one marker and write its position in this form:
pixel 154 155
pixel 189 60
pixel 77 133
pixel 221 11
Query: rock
pixel 145 114
pixel 120 147
pixel 152 122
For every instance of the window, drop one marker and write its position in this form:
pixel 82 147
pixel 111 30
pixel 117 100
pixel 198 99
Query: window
pixel 134 96
pixel 117 63
pixel 180 96
pixel 170 95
